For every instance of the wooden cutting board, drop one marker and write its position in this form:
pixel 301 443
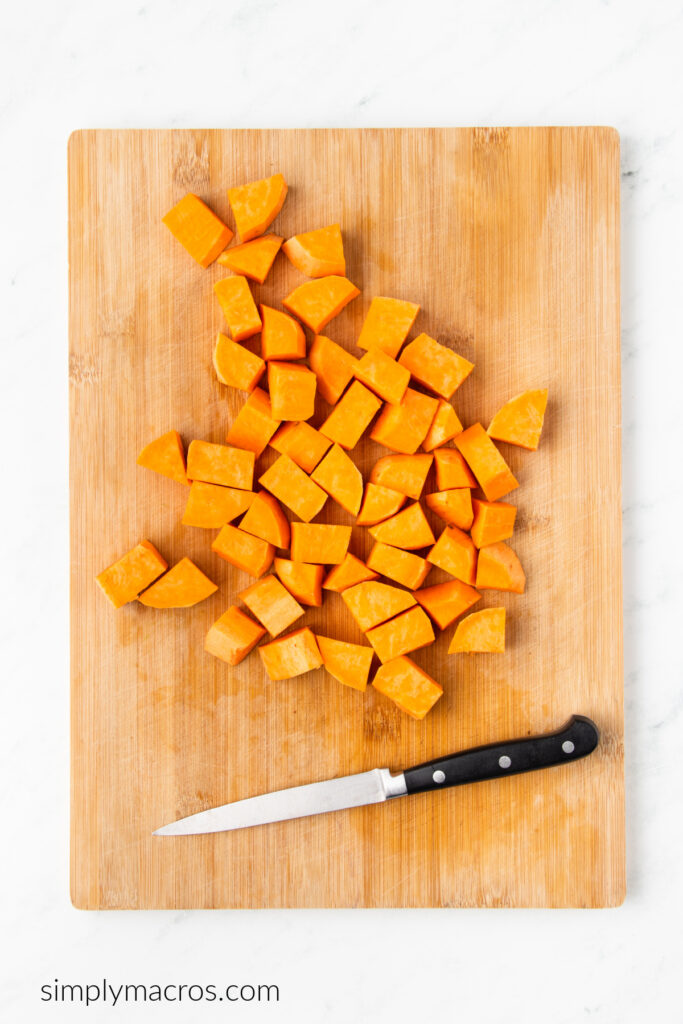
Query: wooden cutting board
pixel 509 240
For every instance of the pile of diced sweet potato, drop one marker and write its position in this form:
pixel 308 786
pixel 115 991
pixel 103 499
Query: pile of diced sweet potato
pixel 406 389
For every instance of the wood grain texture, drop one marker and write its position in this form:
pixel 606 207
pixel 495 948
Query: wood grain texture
pixel 509 239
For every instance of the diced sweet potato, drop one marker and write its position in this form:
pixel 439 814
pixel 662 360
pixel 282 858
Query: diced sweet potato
pixel 211 506
pixel 488 465
pixel 256 205
pixel 235 365
pixel 254 424
pixel 445 426
pixel 454 506
pixel 291 655
pixel 122 581
pixel 407 632
pixel 404 473
pixel 349 663
pixel 408 529
pixel 265 519
pixel 436 366
pixel 292 391
pixel 332 365
pixel 293 488
pixel 379 503
pixel 302 580
pixel 272 604
pixel 320 542
pixel 401 566
pixel 317 253
pixel 198 229
pixel 318 302
pixel 480 633
pixel 252 259
pixel 350 416
pixel 282 337
pixel 220 464
pixel 347 574
pixel 455 553
pixel 243 550
pixel 451 470
pixel 499 568
pixel 403 427
pixel 341 479
pixel 446 601
pixel 233 636
pixel 165 455
pixel 387 324
pixel 408 686
pixel 303 443
pixel 520 421
pixel 182 586
pixel 239 308
pixel 372 603
pixel 383 375
pixel 493 521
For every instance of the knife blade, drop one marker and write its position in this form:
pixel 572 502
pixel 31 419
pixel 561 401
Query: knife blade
pixel 578 738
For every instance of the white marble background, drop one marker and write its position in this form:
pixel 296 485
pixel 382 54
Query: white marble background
pixel 270 63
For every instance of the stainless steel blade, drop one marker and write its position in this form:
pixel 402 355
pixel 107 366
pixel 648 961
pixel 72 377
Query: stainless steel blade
pixel 371 787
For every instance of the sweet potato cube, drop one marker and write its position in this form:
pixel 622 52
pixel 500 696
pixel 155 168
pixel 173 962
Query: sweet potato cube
pixel 520 421
pixel 493 521
pixel 339 476
pixel 499 568
pixel 454 506
pixel 383 375
pixel 455 553
pixel 349 663
pixel 282 336
pixel 303 443
pixel 408 529
pixel 488 465
pixel 198 229
pixel 292 391
pixel 350 416
pixel 480 633
pixel 182 586
pixel 233 636
pixel 293 488
pixel 436 366
pixel 317 253
pixel 256 205
pixel 372 603
pixel 410 688
pixel 332 365
pixel 291 655
pixel 165 455
pixel 387 324
pixel 320 542
pixel 347 574
pixel 317 302
pixel 403 427
pixel 404 473
pixel 265 519
pixel 401 566
pixel 254 424
pixel 126 578
pixel 302 580
pixel 220 464
pixel 446 601
pixel 252 259
pixel 235 365
pixel 451 470
pixel 445 426
pixel 211 506
pixel 239 308
pixel 272 604
pixel 379 503
pixel 243 550
pixel 407 632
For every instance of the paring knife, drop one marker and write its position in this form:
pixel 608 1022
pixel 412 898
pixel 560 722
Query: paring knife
pixel 576 739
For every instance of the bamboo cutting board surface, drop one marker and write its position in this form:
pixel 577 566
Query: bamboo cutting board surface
pixel 509 240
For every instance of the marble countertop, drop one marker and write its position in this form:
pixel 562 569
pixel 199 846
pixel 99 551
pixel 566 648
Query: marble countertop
pixel 268 63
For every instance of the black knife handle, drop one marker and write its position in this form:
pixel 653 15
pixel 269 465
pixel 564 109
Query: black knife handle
pixel 574 740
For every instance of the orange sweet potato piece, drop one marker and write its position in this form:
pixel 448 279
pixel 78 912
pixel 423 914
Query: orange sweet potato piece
pixel 211 506
pixel 243 550
pixel 339 476
pixel 446 601
pixel 272 604
pixel 239 308
pixel 317 253
pixel 332 365
pixel 320 542
pixel 493 521
pixel 256 205
pixel 379 503
pixel 404 473
pixel 265 519
pixel 445 426
pixel 372 603
pixel 349 663
pixel 401 566
pixel 198 229
pixel 403 427
pixel 282 337
pixel 303 443
pixel 387 324
pixel 181 587
pixel 347 574
pixel 499 568
pixel 292 391
pixel 520 421
pixel 252 259
pixel 436 366
pixel 408 686
pixel 233 636
pixel 455 553
pixel 481 632
pixel 488 465
pixel 350 416
pixel 302 579
pixel 165 455
pixel 318 302
pixel 293 488
pixel 408 529
pixel 220 464
pixel 406 633
pixel 235 365
pixel 291 655
pixel 254 424
pixel 454 506
pixel 383 375
pixel 122 581
pixel 451 470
